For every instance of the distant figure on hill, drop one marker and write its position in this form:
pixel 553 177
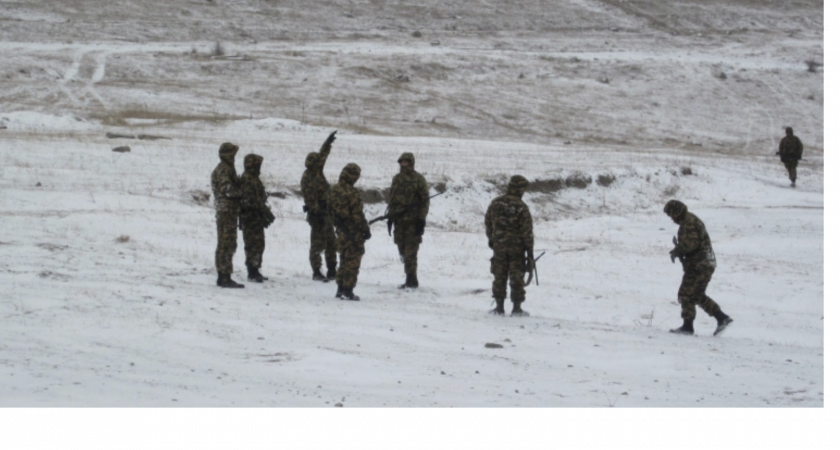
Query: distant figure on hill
pixel 353 230
pixel 693 247
pixel 226 196
pixel 790 152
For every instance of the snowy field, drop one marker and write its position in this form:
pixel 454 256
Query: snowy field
pixel 610 108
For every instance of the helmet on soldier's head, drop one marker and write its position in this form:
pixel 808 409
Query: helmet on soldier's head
pixel 350 173
pixel 407 156
pixel 517 185
pixel 675 209
pixel 788 130
pixel 253 161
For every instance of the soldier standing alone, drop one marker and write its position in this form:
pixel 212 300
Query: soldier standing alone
pixel 254 217
pixel 316 197
pixel 353 230
pixel 790 152
pixel 510 233
pixel 408 204
pixel 226 196
pixel 693 247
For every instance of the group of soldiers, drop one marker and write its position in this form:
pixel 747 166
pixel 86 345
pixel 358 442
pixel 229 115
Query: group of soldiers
pixel 338 226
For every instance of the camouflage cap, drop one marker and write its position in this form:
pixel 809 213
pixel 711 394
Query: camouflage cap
pixel 228 149
pixel 312 160
pixel 675 208
pixel 252 160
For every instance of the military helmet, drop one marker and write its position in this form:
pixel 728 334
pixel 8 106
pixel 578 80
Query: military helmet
pixel 675 208
pixel 252 160
pixel 228 149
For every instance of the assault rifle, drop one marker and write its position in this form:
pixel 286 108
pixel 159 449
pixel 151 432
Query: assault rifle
pixel 394 214
pixel 533 265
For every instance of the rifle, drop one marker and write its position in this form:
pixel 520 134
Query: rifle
pixel 672 253
pixel 391 215
pixel 534 266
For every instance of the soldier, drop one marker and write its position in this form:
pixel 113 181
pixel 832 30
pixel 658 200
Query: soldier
pixel 510 233
pixel 694 249
pixel 226 195
pixel 409 206
pixel 316 197
pixel 254 217
pixel 353 230
pixel 790 152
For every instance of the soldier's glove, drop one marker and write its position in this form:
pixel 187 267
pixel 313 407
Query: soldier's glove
pixel 305 208
pixel 421 227
pixel 367 234
pixel 330 138
pixel 490 243
pixel 390 225
pixel 267 218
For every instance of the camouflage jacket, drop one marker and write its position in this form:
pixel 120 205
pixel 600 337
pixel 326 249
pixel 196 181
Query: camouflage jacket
pixel 508 224
pixel 254 197
pixel 694 247
pixel 790 148
pixel 409 188
pixel 313 183
pixel 348 209
pixel 225 186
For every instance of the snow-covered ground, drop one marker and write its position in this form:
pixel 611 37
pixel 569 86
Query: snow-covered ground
pixel 109 261
pixel 107 258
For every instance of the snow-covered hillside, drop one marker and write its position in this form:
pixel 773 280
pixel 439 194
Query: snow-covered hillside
pixel 610 108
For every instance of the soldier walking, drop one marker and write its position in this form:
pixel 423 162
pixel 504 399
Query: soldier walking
pixel 319 215
pixel 226 196
pixel 693 247
pixel 353 230
pixel 408 204
pixel 255 216
pixel 790 152
pixel 510 233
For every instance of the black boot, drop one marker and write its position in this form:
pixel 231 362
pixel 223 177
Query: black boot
pixel 687 328
pixel 723 321
pixel 518 311
pixel 499 310
pixel 262 277
pixel 318 276
pixel 330 272
pixel 254 275
pixel 414 283
pixel 339 292
pixel 226 282
pixel 407 283
pixel 349 295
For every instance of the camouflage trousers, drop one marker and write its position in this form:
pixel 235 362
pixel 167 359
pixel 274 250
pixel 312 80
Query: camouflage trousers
pixel 321 239
pixel 253 233
pixel 350 260
pixel 226 242
pixel 790 165
pixel 693 292
pixel 408 244
pixel 508 264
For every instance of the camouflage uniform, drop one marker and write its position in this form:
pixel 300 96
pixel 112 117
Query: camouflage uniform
pixel 409 204
pixel 352 228
pixel 694 249
pixel 510 233
pixel 790 152
pixel 316 197
pixel 226 195
pixel 253 218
